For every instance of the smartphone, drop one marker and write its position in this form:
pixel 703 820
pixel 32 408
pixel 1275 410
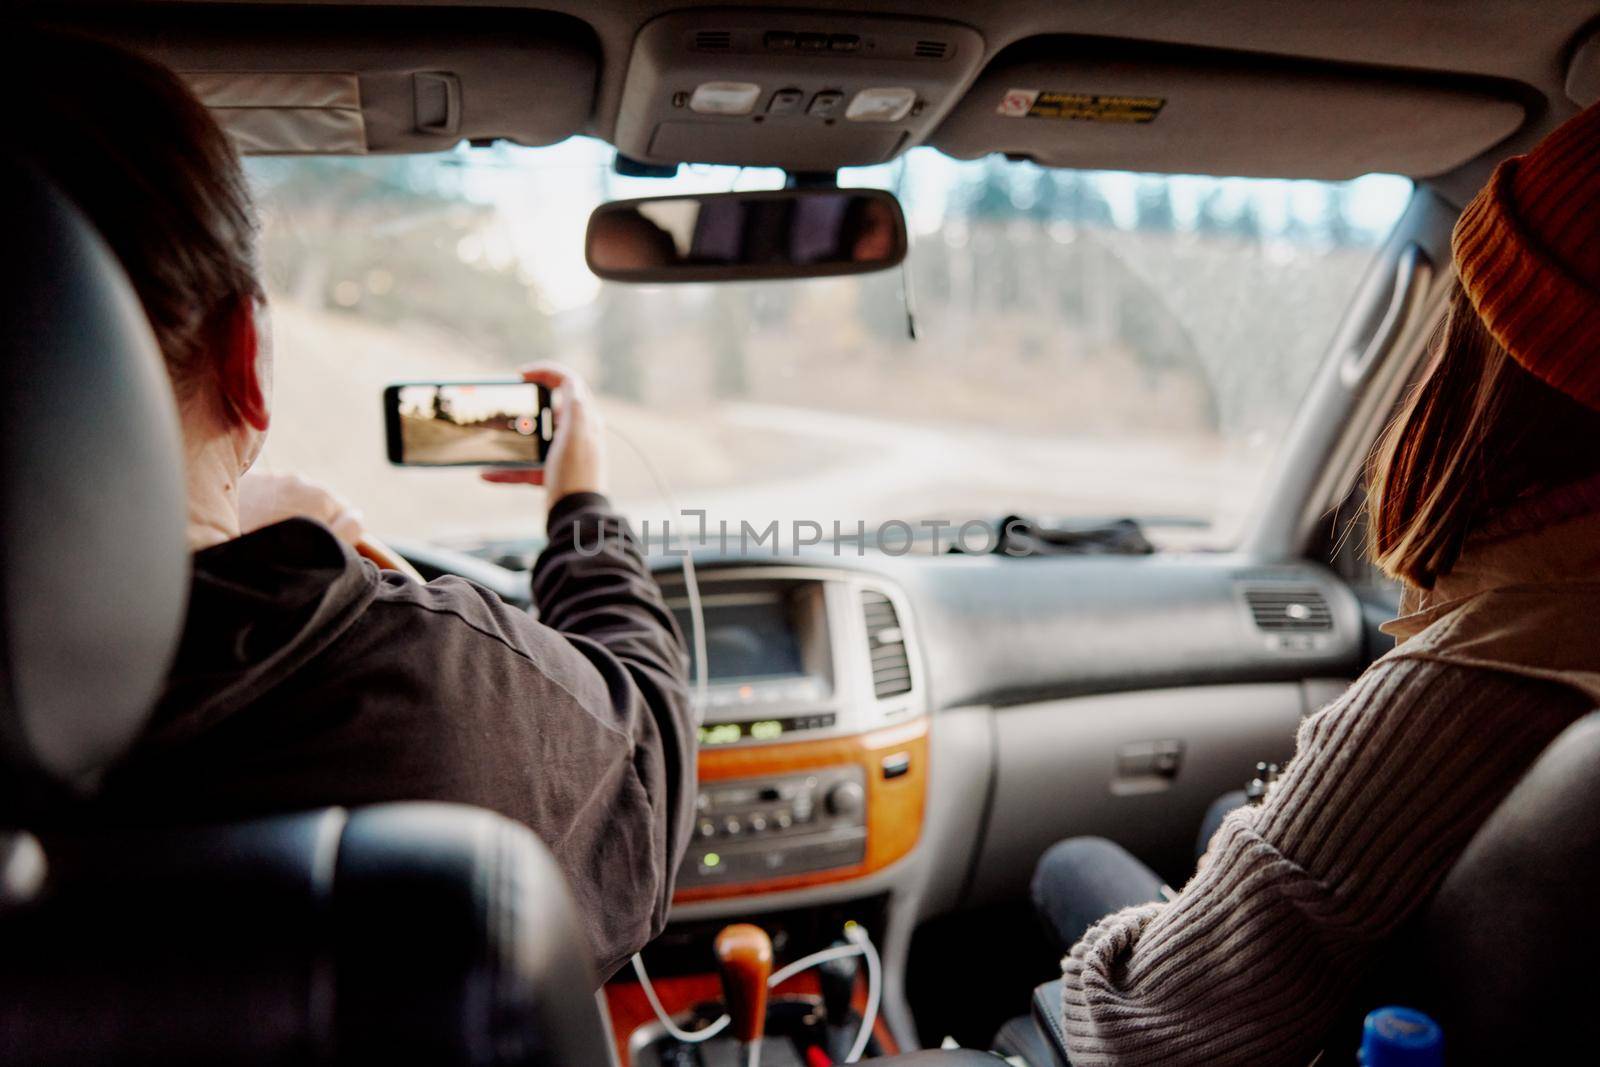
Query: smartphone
pixel 468 424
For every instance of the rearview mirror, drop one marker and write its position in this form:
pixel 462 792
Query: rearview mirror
pixel 786 233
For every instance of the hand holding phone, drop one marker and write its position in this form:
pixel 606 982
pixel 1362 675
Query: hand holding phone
pixel 576 461
pixel 467 424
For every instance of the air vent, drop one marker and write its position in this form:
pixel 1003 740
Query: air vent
pixel 931 50
pixel 1288 608
pixel 891 669
pixel 713 40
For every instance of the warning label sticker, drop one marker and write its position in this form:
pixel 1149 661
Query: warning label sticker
pixel 1084 107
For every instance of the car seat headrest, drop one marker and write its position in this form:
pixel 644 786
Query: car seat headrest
pixel 93 564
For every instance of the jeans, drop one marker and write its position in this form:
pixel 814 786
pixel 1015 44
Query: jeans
pixel 1084 879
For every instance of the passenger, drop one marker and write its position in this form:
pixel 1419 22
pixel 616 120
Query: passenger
pixel 1485 503
pixel 306 676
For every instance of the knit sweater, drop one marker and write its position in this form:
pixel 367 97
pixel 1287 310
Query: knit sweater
pixel 1255 958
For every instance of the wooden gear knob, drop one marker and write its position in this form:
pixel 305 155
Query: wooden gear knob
pixel 744 959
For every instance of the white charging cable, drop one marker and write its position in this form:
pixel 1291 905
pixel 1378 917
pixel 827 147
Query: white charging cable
pixel 857 935
pixel 859 943
pixel 697 699
pixel 688 1037
pixel 816 959
pixel 691 583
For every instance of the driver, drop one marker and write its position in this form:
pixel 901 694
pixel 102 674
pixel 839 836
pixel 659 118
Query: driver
pixel 306 676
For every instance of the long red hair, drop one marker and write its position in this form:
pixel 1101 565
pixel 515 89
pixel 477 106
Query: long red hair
pixel 1474 435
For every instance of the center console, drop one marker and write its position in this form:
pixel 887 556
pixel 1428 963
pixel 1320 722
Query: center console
pixel 813 771
pixel 814 742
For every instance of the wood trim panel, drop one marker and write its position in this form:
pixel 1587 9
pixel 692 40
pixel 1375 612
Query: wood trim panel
pixel 629 1010
pixel 894 807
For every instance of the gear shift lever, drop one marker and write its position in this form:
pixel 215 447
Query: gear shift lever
pixel 744 959
pixel 838 980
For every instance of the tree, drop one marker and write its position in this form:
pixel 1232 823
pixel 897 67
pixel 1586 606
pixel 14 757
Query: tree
pixel 617 343
pixel 1154 201
pixel 391 231
pixel 1080 200
pixel 1335 216
pixel 1247 222
pixel 989 196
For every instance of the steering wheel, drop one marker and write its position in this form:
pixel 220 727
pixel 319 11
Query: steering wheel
pixel 387 558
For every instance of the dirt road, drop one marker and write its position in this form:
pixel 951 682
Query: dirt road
pixel 438 441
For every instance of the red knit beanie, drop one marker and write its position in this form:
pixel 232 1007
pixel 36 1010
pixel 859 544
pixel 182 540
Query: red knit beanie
pixel 1528 252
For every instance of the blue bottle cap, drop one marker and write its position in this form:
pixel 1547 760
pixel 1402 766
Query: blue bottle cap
pixel 1401 1037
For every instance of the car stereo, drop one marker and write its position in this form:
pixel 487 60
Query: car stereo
pixel 770 667
pixel 756 829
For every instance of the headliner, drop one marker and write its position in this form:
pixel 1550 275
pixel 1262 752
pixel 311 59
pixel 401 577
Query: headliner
pixel 1519 42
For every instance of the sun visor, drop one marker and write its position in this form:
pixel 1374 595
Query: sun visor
pixel 286 114
pixel 1095 104
pixel 375 79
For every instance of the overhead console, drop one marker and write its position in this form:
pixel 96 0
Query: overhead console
pixel 802 91
pixel 1096 103
pixel 370 79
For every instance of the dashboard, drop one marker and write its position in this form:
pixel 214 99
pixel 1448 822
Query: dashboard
pixel 976 709
pixel 892 739
pixel 982 706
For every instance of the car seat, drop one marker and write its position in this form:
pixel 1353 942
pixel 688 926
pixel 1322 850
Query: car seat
pixel 404 933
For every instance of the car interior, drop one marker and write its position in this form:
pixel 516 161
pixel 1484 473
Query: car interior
pixel 1034 507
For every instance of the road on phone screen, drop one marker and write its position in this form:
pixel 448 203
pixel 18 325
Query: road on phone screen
pixel 428 440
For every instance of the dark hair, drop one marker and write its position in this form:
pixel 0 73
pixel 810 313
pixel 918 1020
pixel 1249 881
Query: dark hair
pixel 1477 433
pixel 128 142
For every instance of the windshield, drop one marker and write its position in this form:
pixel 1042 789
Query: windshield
pixel 1087 345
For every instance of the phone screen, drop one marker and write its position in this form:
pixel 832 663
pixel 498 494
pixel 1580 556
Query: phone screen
pixel 468 424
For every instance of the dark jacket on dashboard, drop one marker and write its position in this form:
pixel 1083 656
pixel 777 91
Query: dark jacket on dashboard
pixel 309 677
